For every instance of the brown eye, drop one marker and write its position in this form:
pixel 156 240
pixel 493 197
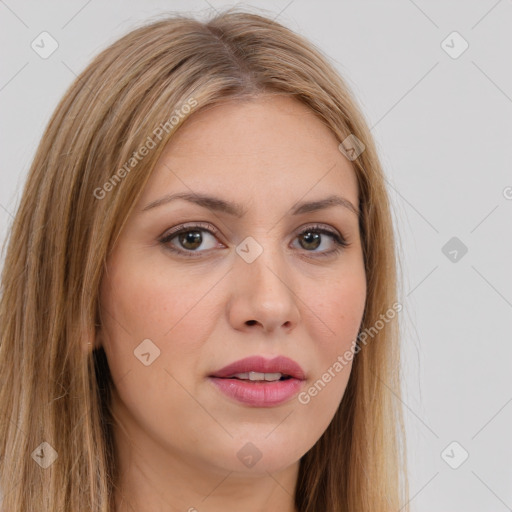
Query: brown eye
pixel 190 239
pixel 311 240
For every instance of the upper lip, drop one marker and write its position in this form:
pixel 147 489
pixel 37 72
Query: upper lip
pixel 279 364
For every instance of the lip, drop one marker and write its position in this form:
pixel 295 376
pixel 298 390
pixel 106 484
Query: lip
pixel 260 394
pixel 279 364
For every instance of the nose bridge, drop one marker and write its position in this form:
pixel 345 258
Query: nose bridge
pixel 263 263
pixel 263 283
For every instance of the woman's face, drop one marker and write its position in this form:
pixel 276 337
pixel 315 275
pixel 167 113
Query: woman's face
pixel 249 276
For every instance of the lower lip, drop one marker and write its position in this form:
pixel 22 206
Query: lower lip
pixel 258 394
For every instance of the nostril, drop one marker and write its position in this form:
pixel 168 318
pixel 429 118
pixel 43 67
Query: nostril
pixel 251 322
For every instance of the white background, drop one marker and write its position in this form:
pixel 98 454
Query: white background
pixel 443 127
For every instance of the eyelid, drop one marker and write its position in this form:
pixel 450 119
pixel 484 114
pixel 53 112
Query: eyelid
pixel 319 227
pixel 189 226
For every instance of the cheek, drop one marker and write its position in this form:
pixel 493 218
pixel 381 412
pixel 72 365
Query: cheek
pixel 149 303
pixel 339 307
pixel 174 310
pixel 176 313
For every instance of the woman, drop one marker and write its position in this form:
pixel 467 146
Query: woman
pixel 199 304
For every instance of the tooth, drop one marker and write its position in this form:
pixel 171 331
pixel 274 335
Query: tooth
pixel 257 376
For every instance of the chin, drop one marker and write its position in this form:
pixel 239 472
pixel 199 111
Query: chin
pixel 260 455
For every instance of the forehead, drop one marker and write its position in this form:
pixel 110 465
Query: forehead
pixel 271 144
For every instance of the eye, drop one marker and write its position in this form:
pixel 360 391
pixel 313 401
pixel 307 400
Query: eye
pixel 189 238
pixel 314 237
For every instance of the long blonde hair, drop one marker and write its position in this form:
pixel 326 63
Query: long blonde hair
pixel 73 209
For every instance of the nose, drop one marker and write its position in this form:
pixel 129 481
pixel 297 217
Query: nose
pixel 263 295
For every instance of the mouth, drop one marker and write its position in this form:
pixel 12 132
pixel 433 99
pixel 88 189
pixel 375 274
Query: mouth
pixel 259 377
pixel 260 382
pixel 258 368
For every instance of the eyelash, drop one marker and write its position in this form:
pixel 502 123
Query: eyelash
pixel 340 242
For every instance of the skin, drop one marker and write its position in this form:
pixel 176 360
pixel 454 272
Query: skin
pixel 177 436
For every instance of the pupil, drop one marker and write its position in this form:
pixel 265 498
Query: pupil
pixel 192 237
pixel 311 238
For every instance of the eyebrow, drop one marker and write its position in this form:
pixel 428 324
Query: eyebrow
pixel 237 210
